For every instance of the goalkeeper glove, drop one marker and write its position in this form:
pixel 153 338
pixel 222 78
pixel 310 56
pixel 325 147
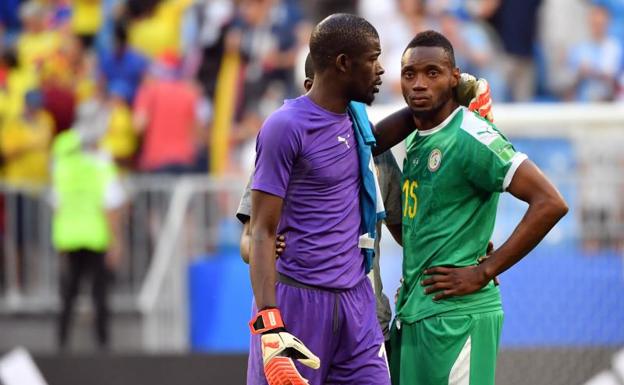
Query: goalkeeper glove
pixel 475 94
pixel 279 348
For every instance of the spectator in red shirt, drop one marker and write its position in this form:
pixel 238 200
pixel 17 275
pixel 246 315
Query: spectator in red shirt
pixel 166 113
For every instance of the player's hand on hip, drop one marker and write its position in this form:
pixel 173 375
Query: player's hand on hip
pixel 280 348
pixel 490 249
pixel 475 94
pixel 280 245
pixel 398 291
pixel 454 281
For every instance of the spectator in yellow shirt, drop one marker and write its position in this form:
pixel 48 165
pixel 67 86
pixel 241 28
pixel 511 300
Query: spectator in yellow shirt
pixel 24 144
pixel 160 30
pixel 120 139
pixel 36 43
pixel 17 83
pixel 86 20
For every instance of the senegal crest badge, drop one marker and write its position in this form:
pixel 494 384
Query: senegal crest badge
pixel 435 159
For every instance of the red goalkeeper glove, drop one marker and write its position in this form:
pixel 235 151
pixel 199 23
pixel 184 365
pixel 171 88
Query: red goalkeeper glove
pixel 279 348
pixel 475 94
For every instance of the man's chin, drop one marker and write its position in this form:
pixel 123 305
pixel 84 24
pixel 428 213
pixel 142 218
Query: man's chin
pixel 422 112
pixel 368 99
pixel 420 109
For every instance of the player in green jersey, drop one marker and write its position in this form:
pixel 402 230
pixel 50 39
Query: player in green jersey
pixel 449 310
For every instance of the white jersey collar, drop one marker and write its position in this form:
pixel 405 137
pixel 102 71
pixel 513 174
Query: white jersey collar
pixel 440 126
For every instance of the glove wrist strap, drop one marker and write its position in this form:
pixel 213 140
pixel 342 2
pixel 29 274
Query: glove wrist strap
pixel 266 320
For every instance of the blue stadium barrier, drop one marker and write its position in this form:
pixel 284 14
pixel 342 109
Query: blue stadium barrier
pixel 559 296
pixel 220 303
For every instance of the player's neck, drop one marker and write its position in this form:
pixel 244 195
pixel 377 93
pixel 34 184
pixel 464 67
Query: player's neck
pixel 434 118
pixel 328 95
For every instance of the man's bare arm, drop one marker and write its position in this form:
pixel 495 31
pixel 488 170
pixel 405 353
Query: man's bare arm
pixel 266 212
pixel 393 129
pixel 546 208
pixel 397 232
pixel 245 241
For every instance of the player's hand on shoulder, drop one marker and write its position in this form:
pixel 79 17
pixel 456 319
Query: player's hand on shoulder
pixel 475 94
pixel 448 282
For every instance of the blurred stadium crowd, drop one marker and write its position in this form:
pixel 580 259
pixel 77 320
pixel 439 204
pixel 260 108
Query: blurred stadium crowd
pixel 170 86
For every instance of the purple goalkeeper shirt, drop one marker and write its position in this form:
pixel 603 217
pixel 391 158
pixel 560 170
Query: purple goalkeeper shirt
pixel 308 156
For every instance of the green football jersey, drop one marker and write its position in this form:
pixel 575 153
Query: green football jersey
pixel 452 177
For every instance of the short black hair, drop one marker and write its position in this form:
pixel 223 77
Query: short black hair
pixel 308 68
pixel 340 33
pixel 433 39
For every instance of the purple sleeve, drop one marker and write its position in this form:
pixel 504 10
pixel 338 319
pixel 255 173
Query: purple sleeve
pixel 277 148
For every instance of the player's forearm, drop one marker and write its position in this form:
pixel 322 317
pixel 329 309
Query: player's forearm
pixel 262 268
pixel 392 130
pixel 539 219
pixel 245 242
pixel 397 232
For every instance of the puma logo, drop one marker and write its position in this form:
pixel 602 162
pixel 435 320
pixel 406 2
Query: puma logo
pixel 342 139
pixel 271 345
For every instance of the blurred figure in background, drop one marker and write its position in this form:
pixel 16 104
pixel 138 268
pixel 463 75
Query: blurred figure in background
pixel 86 20
pixel 87 198
pixel 475 51
pixel 36 43
pixel 215 20
pixel 122 64
pixel 559 30
pixel 516 23
pixel 616 10
pixel 9 21
pixel 24 143
pixel 57 85
pixel 595 63
pixel 167 117
pixel 120 139
pixel 156 26
pixel 397 22
pixel 18 81
pixel 268 35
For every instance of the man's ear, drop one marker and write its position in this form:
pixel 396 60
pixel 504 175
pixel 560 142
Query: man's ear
pixel 343 63
pixel 455 75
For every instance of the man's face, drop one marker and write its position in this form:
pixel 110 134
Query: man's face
pixel 427 79
pixel 366 71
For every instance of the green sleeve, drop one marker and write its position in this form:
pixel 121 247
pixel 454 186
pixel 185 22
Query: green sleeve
pixel 489 159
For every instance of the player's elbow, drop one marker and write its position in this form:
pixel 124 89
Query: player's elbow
pixel 554 207
pixel 561 207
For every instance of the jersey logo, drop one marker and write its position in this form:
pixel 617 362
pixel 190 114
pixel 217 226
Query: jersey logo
pixel 435 160
pixel 271 345
pixel 344 140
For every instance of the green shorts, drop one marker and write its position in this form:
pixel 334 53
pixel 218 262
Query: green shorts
pixel 446 350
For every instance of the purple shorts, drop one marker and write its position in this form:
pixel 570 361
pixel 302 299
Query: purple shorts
pixel 341 328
